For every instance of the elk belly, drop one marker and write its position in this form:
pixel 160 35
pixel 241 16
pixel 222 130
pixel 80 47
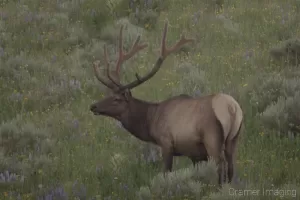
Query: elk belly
pixel 188 144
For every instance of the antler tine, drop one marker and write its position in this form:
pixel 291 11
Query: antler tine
pixel 136 47
pixel 103 81
pixel 167 51
pixel 163 40
pixel 164 53
pixel 108 73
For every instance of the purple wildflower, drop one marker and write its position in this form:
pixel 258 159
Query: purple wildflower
pixel 93 12
pixel 125 187
pixel 79 191
pixel 53 59
pixel 99 169
pixel 196 17
pixel 56 193
pixel 248 54
pixel 75 123
pixel 119 125
pixel 8 177
pixel 29 18
pixel 197 93
pixel 3 16
pixel 1 52
pixel 148 3
pixel 131 4
pixel 75 84
pixel 16 96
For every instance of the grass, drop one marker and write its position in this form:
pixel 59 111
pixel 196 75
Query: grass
pixel 46 79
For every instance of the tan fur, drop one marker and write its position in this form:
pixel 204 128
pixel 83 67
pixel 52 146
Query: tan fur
pixel 229 112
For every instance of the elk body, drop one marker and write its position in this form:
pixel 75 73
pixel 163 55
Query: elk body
pixel 196 127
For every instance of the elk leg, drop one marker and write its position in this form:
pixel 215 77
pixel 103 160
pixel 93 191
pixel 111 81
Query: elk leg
pixel 213 144
pixel 230 154
pixel 195 161
pixel 167 155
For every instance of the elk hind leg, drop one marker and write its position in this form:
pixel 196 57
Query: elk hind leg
pixel 230 155
pixel 213 142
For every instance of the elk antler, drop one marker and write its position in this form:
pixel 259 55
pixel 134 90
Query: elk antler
pixel 102 80
pixel 164 53
pixel 136 47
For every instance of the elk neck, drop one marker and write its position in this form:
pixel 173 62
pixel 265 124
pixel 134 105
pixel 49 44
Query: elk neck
pixel 138 119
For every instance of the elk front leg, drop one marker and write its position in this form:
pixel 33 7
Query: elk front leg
pixel 194 160
pixel 167 155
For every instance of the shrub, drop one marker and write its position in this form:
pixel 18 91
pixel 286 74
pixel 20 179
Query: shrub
pixel 275 98
pixel 92 14
pixel 287 52
pixel 189 183
pixel 264 89
pixel 146 19
pixel 24 153
pixel 25 83
pixel 143 13
pixel 283 116
pixel 110 33
pixel 150 153
pixel 194 80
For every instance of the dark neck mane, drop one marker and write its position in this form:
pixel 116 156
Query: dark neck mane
pixel 137 120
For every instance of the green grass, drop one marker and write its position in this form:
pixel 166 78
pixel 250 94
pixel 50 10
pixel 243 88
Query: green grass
pixel 45 49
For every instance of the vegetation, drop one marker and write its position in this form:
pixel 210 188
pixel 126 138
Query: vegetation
pixel 53 147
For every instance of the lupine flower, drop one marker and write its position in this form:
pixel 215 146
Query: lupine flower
pixel 131 4
pixel 53 59
pixel 196 17
pixel 57 193
pixel 3 16
pixel 29 18
pixel 119 124
pixel 79 191
pixel 248 54
pixel 7 177
pixel 16 96
pixel 1 52
pixel 75 84
pixel 75 123
pixel 197 93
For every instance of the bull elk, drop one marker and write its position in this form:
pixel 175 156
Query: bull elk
pixel 196 127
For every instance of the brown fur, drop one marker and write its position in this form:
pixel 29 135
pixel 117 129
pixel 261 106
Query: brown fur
pixel 196 127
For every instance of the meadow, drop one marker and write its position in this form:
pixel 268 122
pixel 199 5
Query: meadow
pixel 53 147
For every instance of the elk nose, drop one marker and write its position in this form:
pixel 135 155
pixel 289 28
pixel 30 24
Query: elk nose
pixel 93 107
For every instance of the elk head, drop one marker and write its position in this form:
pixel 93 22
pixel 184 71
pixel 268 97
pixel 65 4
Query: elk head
pixel 117 102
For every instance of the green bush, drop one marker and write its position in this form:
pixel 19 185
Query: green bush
pixel 194 81
pixel 264 89
pixel 189 183
pixel 283 116
pixel 26 151
pixel 143 13
pixel 288 52
pixel 92 14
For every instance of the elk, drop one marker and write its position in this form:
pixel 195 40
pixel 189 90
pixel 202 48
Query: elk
pixel 196 127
